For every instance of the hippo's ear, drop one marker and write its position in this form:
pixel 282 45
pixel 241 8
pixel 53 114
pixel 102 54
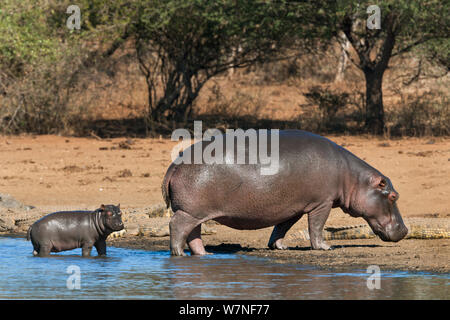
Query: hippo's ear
pixel 118 206
pixel 377 181
pixel 382 183
pixel 102 207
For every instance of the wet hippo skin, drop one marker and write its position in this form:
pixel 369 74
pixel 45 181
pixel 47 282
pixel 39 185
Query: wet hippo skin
pixel 68 230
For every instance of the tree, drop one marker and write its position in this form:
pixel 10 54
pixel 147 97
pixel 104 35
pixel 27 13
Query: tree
pixel 405 25
pixel 40 59
pixel 181 44
pixel 27 83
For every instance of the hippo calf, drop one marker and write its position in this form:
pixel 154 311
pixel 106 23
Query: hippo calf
pixel 314 175
pixel 67 230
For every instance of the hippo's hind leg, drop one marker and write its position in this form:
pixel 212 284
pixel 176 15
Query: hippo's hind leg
pixel 44 250
pixel 184 227
pixel 279 231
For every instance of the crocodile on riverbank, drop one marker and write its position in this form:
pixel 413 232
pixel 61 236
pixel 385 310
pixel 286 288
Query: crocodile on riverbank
pixel 364 232
pixel 416 231
pixel 156 231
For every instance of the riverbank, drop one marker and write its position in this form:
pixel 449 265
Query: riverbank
pixel 409 254
pixel 53 173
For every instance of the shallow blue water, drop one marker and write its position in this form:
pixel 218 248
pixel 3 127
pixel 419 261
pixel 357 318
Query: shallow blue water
pixel 141 274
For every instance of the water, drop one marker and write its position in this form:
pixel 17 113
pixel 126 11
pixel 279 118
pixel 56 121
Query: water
pixel 141 274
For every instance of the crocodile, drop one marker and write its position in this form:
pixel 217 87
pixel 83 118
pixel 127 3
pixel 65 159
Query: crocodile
pixel 8 202
pixel 362 231
pixel 118 234
pixel 151 231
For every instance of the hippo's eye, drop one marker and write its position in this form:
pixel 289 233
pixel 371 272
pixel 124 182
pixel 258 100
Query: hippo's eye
pixel 382 183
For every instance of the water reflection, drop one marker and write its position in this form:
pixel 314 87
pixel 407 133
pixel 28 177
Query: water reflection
pixel 139 274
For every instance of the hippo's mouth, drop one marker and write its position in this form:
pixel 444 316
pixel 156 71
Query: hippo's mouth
pixel 382 235
pixel 391 234
pixel 118 227
pixel 379 230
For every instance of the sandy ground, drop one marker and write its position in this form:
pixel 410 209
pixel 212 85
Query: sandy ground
pixel 58 173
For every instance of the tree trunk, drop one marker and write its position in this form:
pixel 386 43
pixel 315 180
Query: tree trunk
pixel 373 61
pixel 374 102
pixel 343 59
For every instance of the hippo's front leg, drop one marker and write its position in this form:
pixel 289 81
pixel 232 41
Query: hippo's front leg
pixel 100 245
pixel 316 222
pixel 86 249
pixel 182 225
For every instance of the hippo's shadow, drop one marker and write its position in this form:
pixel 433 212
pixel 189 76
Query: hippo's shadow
pixel 227 248
pixel 71 256
pixel 236 247
pixel 355 246
pixel 339 246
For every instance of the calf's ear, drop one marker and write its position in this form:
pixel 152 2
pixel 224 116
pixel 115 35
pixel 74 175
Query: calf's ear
pixel 102 207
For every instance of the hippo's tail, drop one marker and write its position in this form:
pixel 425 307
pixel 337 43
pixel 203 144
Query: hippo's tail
pixel 165 187
pixel 29 233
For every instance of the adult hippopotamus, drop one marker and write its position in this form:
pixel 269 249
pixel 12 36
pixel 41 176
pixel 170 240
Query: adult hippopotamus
pixel 67 230
pixel 314 175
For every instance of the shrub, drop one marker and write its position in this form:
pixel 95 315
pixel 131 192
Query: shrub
pixel 427 114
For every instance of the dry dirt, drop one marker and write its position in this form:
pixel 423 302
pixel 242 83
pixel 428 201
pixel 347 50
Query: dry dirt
pixel 59 173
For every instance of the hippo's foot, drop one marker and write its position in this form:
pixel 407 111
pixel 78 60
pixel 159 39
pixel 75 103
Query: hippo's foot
pixel 321 246
pixel 277 245
pixel 177 252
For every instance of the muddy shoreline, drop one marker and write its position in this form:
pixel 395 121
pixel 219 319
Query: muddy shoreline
pixel 411 254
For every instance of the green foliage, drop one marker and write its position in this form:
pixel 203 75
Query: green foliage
pixel 25 39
